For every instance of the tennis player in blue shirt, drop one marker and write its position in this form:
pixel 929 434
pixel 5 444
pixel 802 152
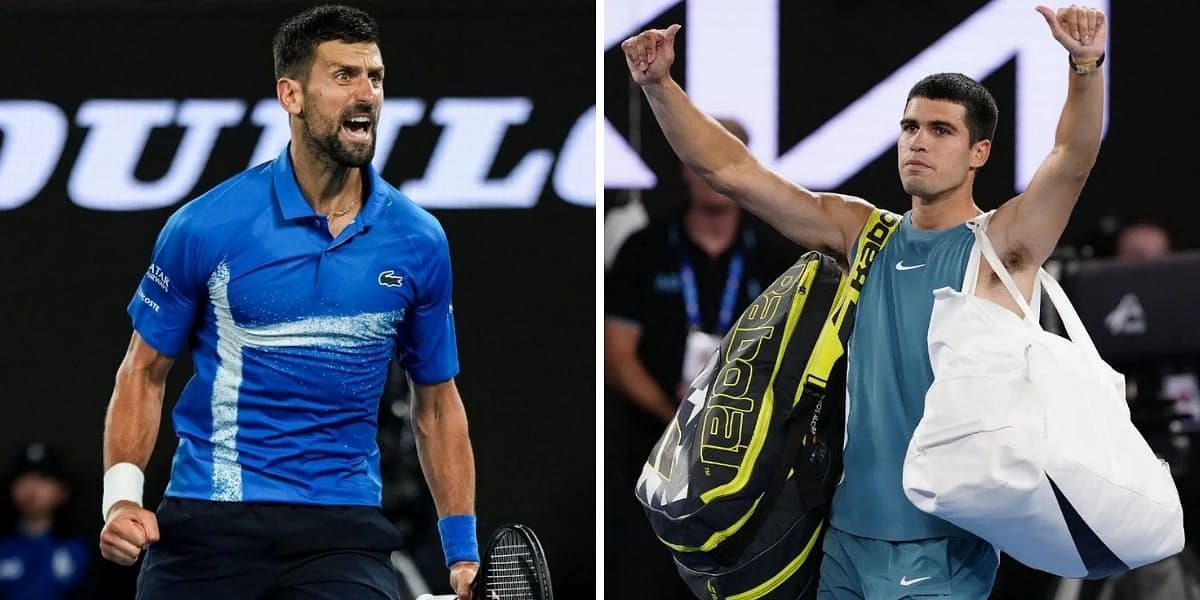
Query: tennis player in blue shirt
pixel 293 284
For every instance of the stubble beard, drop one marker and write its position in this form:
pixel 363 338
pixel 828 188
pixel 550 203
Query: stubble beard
pixel 328 147
pixel 925 190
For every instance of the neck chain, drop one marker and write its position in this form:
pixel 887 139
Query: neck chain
pixel 336 214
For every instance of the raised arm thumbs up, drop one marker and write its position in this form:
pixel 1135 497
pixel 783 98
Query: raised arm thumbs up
pixel 649 54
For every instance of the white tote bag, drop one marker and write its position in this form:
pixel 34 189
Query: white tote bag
pixel 1026 439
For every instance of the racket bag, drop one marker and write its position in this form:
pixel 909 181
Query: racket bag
pixel 738 487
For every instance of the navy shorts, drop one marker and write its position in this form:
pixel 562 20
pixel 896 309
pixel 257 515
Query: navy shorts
pixel 228 550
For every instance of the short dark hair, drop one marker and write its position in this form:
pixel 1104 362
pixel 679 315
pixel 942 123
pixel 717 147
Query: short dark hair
pixel 982 112
pixel 296 40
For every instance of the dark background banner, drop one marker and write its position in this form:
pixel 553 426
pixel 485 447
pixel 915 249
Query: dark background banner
pixel 832 54
pixel 496 88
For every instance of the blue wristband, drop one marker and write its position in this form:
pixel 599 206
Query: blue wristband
pixel 458 538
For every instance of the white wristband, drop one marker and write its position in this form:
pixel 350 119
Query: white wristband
pixel 122 481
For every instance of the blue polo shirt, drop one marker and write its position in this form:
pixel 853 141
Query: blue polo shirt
pixel 291 331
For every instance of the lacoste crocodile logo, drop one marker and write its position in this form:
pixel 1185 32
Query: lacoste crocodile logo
pixel 389 278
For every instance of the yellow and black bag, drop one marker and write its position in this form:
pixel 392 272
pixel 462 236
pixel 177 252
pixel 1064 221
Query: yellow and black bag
pixel 739 485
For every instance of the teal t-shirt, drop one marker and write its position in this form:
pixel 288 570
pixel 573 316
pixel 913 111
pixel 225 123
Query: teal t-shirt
pixel 889 373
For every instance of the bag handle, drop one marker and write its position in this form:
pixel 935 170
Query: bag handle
pixel 1058 298
pixel 984 245
pixel 1066 313
pixel 971 277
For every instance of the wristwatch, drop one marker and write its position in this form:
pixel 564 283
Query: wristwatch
pixel 1084 68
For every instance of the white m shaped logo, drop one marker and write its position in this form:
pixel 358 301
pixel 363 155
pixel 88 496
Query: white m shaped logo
pixel 733 69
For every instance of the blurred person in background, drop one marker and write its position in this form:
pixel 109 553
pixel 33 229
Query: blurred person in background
pixel 41 559
pixel 673 291
pixel 675 288
pixel 1142 240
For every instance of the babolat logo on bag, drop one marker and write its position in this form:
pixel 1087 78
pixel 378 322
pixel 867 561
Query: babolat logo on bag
pixel 738 487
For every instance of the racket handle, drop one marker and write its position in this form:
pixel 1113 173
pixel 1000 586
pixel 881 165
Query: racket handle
pixel 432 597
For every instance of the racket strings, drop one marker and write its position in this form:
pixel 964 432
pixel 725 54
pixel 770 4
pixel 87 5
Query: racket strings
pixel 510 570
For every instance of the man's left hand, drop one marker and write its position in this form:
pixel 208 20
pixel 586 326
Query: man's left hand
pixel 1080 29
pixel 462 575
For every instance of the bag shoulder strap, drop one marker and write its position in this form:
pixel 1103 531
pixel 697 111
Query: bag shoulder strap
pixel 875 233
pixel 1058 298
pixel 1066 313
pixel 984 244
pixel 971 276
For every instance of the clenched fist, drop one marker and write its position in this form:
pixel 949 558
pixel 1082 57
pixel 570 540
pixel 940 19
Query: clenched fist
pixel 1081 30
pixel 128 530
pixel 650 53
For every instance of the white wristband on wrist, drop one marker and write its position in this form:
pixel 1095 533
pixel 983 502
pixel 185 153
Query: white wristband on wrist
pixel 122 481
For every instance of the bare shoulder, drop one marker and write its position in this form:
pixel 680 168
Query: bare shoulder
pixel 849 214
pixel 857 209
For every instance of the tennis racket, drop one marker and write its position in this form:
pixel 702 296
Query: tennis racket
pixel 512 568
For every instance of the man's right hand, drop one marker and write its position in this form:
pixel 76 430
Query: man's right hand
pixel 128 530
pixel 649 55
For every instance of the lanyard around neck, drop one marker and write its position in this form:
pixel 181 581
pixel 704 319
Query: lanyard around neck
pixel 691 295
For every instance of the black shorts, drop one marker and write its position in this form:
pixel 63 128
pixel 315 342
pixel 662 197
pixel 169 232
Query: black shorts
pixel 232 550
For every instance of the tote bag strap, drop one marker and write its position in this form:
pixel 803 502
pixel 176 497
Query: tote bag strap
pixel 1066 313
pixel 1058 298
pixel 984 245
pixel 971 277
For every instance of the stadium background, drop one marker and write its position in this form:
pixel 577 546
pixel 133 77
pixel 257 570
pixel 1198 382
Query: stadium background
pixel 826 56
pixel 524 285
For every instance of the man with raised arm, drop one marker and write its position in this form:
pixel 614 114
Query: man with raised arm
pixel 879 545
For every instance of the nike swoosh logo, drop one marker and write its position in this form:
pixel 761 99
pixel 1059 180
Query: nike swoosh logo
pixel 900 266
pixel 905 581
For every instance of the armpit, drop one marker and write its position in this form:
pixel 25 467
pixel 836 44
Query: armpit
pixel 1015 259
